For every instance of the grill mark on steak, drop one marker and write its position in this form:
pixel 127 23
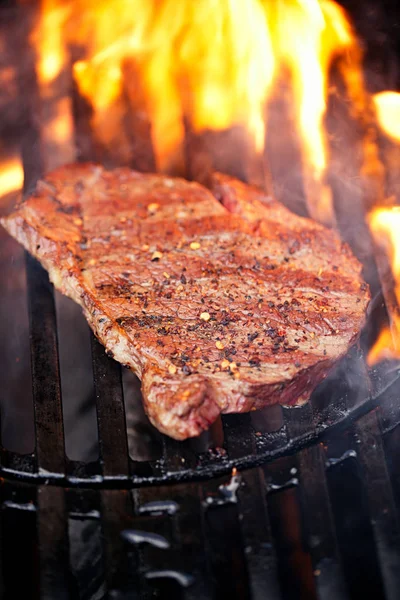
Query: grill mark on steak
pixel 146 256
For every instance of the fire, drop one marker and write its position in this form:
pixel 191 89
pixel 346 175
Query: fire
pixel 387 105
pixel 212 65
pixel 11 176
pixel 383 349
pixel 309 35
pixel 52 59
pixel 48 39
pixel 384 224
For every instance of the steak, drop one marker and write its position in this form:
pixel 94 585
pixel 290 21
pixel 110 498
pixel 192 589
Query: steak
pixel 220 301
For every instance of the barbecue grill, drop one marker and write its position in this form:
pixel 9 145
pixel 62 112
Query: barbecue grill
pixel 282 503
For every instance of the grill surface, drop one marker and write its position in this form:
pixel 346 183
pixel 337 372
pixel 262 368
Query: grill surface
pixel 321 523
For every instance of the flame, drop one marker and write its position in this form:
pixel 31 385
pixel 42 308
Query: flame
pixel 48 40
pixel 309 35
pixel 52 59
pixel 384 224
pixel 208 65
pixel 11 176
pixel 213 64
pixel 383 349
pixel 387 105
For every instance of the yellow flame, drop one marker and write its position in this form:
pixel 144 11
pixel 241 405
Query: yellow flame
pixel 212 64
pixel 55 114
pixel 11 176
pixel 384 224
pixel 52 56
pixel 383 349
pixel 310 34
pixel 385 227
pixel 227 60
pixel 387 105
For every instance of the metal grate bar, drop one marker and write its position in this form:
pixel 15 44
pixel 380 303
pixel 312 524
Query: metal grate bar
pixel 110 413
pixel 224 546
pixel 55 579
pixel 294 563
pixel 381 502
pixel 192 552
pixel 298 420
pixel 83 504
pixel 178 456
pixel 318 521
pixel 22 463
pixel 46 388
pixel 179 519
pixel 353 528
pixel 156 546
pixel 116 512
pixel 257 539
pixel 238 435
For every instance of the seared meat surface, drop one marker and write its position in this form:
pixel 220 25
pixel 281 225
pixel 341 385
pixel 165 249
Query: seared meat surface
pixel 220 301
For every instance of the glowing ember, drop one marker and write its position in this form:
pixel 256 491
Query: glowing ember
pixel 387 106
pixel 385 227
pixel 11 176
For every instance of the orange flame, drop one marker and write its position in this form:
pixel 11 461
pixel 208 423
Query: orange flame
pixel 48 38
pixel 52 59
pixel 213 63
pixel 387 105
pixel 385 227
pixel 309 35
pixel 11 176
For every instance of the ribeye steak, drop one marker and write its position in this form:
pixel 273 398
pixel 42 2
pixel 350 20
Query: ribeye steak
pixel 220 301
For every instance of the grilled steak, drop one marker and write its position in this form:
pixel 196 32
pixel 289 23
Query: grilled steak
pixel 220 302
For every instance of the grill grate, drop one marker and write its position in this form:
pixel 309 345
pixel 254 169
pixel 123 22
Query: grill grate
pixel 298 526
pixel 285 533
pixel 319 524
